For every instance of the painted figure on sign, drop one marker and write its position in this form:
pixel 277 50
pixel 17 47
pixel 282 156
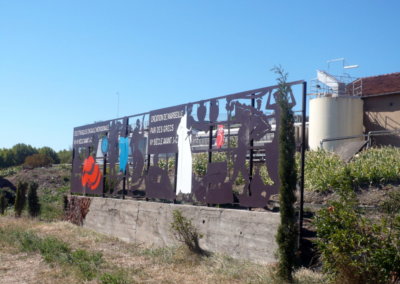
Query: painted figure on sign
pixel 104 145
pixel 91 175
pixel 220 137
pixel 184 173
pixel 123 153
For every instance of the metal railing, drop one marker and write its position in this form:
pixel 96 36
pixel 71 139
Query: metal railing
pixel 368 136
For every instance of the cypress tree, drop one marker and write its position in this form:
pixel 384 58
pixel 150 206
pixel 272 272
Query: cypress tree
pixel 65 203
pixel 287 233
pixel 3 202
pixel 33 200
pixel 20 199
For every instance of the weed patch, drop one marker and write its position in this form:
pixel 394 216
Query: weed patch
pixel 325 171
pixel 186 233
pixel 54 251
pixel 118 277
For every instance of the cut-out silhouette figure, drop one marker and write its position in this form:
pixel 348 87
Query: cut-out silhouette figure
pixel 158 184
pixel 214 110
pixel 243 116
pixel 197 125
pixel 137 156
pixel 259 193
pixel 272 149
pixel 212 188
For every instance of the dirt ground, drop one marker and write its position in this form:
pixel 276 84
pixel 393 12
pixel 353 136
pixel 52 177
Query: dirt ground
pixel 51 177
pixel 139 264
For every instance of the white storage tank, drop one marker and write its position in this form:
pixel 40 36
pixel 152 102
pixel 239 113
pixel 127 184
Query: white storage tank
pixel 332 117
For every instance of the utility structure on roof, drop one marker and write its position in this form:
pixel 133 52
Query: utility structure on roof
pixel 348 113
pixel 336 111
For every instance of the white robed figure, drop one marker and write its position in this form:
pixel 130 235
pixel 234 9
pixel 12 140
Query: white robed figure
pixel 184 174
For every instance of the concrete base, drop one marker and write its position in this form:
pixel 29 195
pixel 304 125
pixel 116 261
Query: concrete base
pixel 236 233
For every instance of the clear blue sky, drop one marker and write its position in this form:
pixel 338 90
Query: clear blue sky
pixel 62 62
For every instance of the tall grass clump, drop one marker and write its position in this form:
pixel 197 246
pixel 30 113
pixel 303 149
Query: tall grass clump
pixel 86 264
pixel 376 166
pixel 323 170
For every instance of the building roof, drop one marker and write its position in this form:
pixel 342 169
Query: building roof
pixel 381 84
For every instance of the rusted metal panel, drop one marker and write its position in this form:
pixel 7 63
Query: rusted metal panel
pixel 215 151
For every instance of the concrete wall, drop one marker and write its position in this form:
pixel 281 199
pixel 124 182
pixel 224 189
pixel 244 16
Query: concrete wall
pixel 237 233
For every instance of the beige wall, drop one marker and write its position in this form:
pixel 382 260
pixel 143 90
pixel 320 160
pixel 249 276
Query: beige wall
pixel 383 113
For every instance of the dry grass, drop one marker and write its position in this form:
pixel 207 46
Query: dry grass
pixel 136 264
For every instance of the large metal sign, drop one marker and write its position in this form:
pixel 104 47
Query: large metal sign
pixel 222 150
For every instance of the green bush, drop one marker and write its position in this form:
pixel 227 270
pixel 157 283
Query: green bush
pixel 325 171
pixel 52 203
pixel 53 250
pixel 49 152
pixel 7 198
pixel 3 202
pixel 20 198
pixel 287 232
pixel 186 233
pixel 117 277
pixel 377 166
pixel 37 160
pixel 33 200
pixel 9 171
pixel 65 156
pixel 87 263
pixel 199 164
pixel 353 248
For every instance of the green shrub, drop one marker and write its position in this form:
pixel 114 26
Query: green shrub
pixel 49 152
pixel 118 277
pixel 162 163
pixel 65 156
pixel 287 232
pixel 199 164
pixel 38 160
pixel 33 200
pixel 52 203
pixel 186 232
pixel 355 249
pixel 87 263
pixel 9 171
pixel 53 250
pixel 377 166
pixel 3 202
pixel 323 170
pixel 20 199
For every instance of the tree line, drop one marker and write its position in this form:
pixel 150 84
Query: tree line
pixel 22 153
